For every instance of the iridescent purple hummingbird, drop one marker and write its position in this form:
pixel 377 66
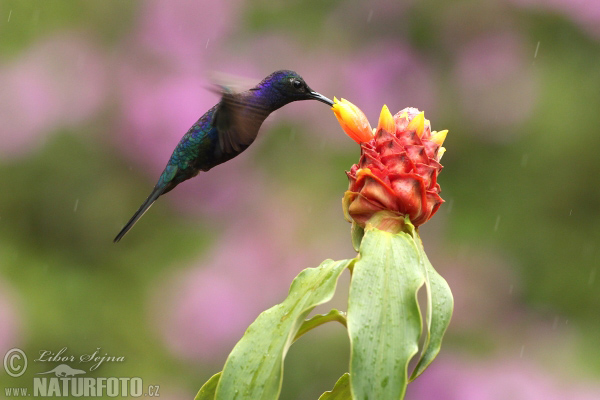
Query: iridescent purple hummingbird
pixel 225 131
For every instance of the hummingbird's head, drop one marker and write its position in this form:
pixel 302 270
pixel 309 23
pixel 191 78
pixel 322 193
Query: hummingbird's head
pixel 285 86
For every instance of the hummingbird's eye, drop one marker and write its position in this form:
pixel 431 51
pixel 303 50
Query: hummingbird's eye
pixel 297 84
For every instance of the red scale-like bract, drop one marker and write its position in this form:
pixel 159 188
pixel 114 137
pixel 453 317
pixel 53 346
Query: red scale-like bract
pixel 397 172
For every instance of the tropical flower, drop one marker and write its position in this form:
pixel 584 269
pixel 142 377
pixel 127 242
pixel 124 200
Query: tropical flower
pixel 398 167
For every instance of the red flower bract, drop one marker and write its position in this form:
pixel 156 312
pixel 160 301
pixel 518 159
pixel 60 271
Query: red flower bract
pixel 397 172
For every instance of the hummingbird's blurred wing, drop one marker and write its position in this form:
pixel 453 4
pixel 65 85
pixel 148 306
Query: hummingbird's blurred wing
pixel 238 118
pixel 231 82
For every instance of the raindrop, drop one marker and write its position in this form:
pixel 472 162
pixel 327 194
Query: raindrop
pixel 571 212
pixel 449 206
pixel 497 223
pixel 536 49
pixel 9 14
pixel 524 159
pixel 510 289
pixel 207 40
pixel 592 277
pixel 371 16
pixel 76 204
pixel 522 350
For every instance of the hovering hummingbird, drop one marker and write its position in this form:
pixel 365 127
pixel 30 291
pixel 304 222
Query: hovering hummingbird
pixel 225 131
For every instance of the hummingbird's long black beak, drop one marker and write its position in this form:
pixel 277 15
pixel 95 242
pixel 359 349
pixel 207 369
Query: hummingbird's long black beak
pixel 320 97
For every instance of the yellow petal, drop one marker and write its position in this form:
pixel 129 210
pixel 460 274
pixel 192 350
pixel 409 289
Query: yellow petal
pixel 440 153
pixel 439 137
pixel 417 124
pixel 386 120
pixel 347 112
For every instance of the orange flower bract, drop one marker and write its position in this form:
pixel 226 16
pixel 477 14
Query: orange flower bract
pixel 353 120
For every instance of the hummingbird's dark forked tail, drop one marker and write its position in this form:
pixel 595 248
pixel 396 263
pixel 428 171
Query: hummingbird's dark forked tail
pixel 156 193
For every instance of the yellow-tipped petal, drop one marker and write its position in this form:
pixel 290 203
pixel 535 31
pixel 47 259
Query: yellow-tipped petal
pixel 417 124
pixel 440 153
pixel 363 171
pixel 353 120
pixel 386 120
pixel 335 105
pixel 439 137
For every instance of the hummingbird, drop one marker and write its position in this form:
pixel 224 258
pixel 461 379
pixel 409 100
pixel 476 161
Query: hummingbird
pixel 226 130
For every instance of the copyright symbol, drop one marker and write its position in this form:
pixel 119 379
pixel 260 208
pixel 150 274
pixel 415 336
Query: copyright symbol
pixel 15 362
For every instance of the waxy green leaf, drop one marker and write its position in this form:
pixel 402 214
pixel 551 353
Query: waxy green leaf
pixel 320 319
pixel 341 390
pixel 254 368
pixel 208 390
pixel 384 320
pixel 439 311
pixel 357 234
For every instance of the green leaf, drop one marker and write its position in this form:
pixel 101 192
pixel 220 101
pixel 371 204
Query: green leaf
pixel 254 369
pixel 357 234
pixel 384 320
pixel 439 311
pixel 320 319
pixel 208 390
pixel 341 390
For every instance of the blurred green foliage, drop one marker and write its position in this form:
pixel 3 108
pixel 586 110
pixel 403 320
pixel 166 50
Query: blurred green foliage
pixel 30 20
